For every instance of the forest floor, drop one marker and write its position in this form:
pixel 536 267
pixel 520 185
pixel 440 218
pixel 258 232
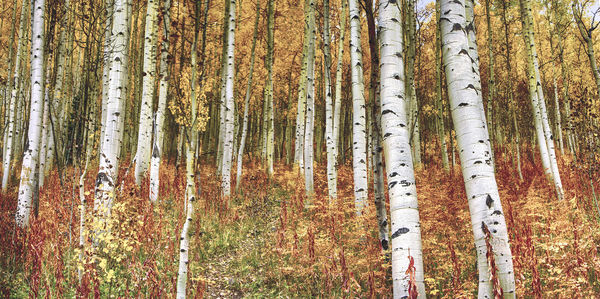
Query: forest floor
pixel 266 242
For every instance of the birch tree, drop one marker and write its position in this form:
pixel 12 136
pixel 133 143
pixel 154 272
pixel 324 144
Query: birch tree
pixel 11 135
pixel 31 153
pixel 144 147
pixel 240 154
pixel 110 145
pixel 330 141
pixel 375 125
pixel 438 90
pixel 544 133
pixel 301 107
pixel 229 105
pixel 158 136
pixel 487 218
pixel 337 106
pixel 404 212
pixel 359 138
pixel 191 139
pixel 310 102
pixel 270 132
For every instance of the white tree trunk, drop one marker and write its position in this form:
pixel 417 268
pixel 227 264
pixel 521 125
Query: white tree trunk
pixel 144 147
pixel 337 106
pixel 107 62
pixel 31 153
pixel 475 156
pixel 45 127
pixel 310 103
pixel 406 237
pixel 544 133
pixel 162 104
pixel 301 108
pixel 240 155
pixel 13 107
pixel 359 138
pixel 330 140
pixel 229 105
pixel 110 145
pixel 190 164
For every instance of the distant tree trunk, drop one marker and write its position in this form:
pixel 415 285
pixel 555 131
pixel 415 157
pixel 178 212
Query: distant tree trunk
pixel 359 138
pixel 310 102
pixel 475 156
pixel 558 127
pixel 144 143
pixel 406 237
pixel 12 134
pixel 438 85
pixel 157 147
pixel 338 82
pixel 509 79
pixel 31 154
pixel 492 76
pixel 270 132
pixel 544 133
pixel 240 154
pixel 301 110
pixel 229 105
pixel 222 98
pixel 565 83
pixel 413 113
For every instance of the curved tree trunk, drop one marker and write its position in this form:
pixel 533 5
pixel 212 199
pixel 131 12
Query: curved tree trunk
pixel 476 163
pixel 404 212
pixel 544 133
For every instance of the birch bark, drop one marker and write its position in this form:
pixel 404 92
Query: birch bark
pixel 12 107
pixel 477 167
pixel 229 105
pixel 162 103
pixel 144 142
pixel 31 153
pixel 359 138
pixel 404 212
pixel 240 155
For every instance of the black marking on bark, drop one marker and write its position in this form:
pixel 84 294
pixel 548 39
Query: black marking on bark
pixel 489 201
pixel 456 27
pixel 392 184
pixel 400 232
pixel 463 104
pixel 384 244
pixel 463 51
pixel 497 212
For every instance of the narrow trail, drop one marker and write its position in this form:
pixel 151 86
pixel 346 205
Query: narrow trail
pixel 257 213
